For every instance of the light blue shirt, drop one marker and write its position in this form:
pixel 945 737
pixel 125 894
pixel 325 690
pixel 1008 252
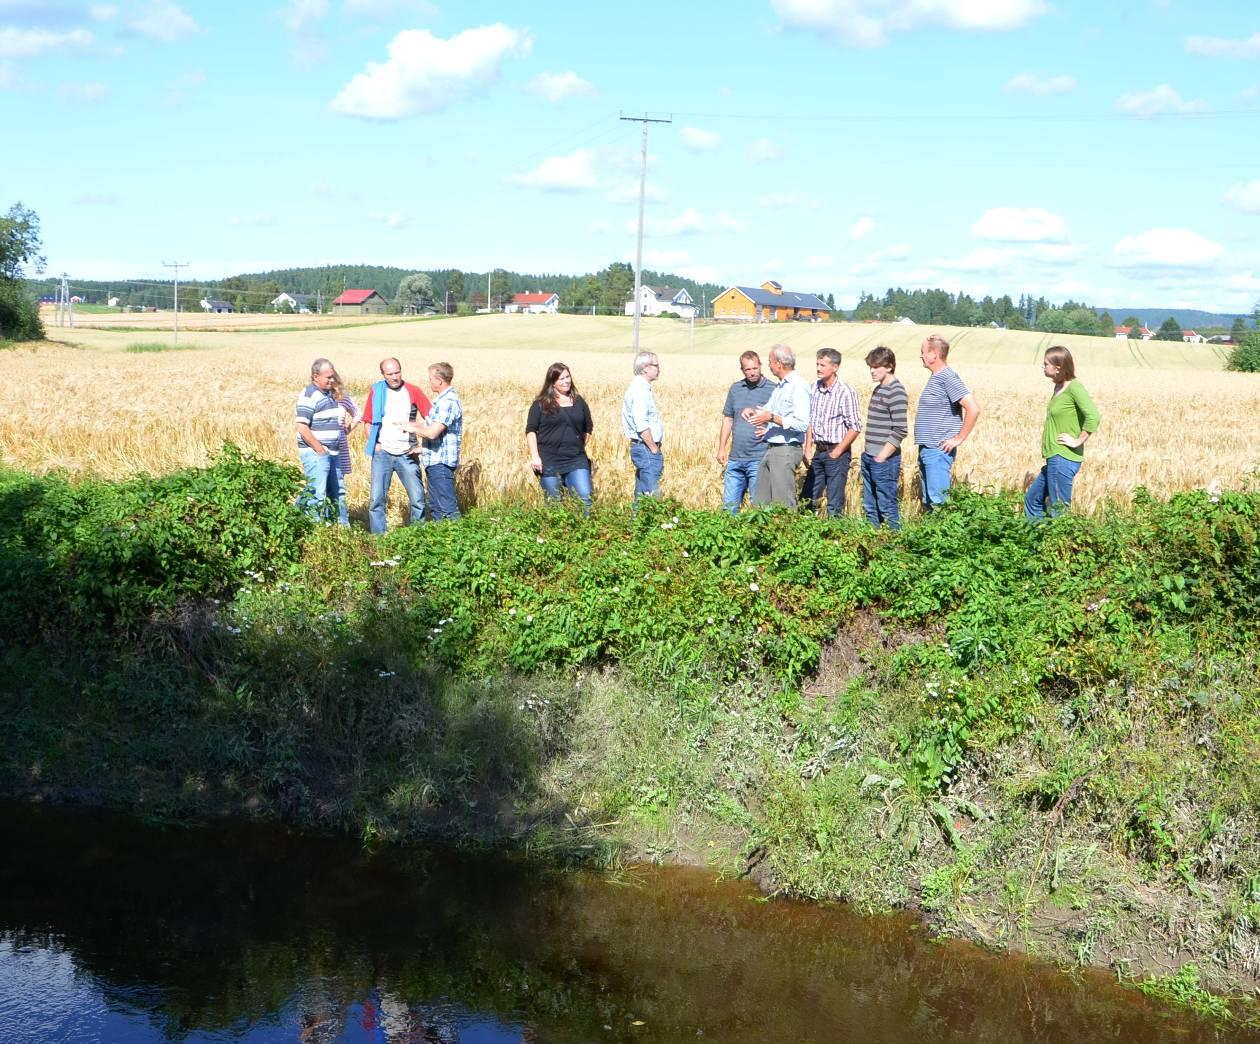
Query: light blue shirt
pixel 639 412
pixel 790 403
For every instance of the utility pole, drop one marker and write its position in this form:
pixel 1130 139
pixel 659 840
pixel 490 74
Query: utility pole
pixel 638 253
pixel 177 265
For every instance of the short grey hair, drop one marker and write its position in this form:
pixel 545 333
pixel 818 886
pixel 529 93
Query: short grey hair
pixel 319 364
pixel 643 360
pixel 830 354
pixel 783 355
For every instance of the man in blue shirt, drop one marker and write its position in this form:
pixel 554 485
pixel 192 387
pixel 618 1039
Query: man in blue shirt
pixel 441 436
pixel 641 424
pixel 781 423
pixel 738 447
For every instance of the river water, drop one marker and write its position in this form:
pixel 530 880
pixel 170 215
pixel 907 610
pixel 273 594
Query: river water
pixel 114 931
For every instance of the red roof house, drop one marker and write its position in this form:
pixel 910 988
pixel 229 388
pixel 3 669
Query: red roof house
pixel 535 303
pixel 359 302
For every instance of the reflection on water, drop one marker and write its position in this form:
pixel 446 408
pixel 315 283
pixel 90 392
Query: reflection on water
pixel 115 932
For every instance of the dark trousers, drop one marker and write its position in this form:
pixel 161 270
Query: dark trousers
pixel 830 476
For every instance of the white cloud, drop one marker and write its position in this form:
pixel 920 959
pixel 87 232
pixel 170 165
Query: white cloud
pixel 1165 248
pixel 424 72
pixel 1250 93
pixel 394 220
pixel 695 138
pixel 164 20
pixel 576 172
pixel 1245 196
pixel 299 12
pixel 1245 281
pixel 27 43
pixel 700 273
pixel 1034 84
pixel 1157 100
pixel 660 259
pixel 730 223
pixel 876 261
pixel 9 78
pixel 84 92
pixel 558 86
pixel 869 23
pixel 96 199
pixel 689 222
pixel 861 227
pixel 103 12
pixel 775 264
pixel 819 261
pixel 763 150
pixel 1016 225
pixel 1219 47
pixel 628 192
pixel 389 8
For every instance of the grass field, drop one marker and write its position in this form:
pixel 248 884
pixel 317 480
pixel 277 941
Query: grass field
pixel 90 401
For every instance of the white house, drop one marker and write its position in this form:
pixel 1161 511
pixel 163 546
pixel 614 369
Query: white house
pixel 295 302
pixel 1190 337
pixel 209 304
pixel 653 300
pixel 534 304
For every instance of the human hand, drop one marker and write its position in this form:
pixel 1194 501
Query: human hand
pixel 535 463
pixel 1066 440
pixel 949 445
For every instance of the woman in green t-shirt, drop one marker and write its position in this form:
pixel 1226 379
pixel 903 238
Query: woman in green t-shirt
pixel 1071 418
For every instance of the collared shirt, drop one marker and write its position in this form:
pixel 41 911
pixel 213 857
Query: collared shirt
pixel 320 412
pixel 790 403
pixel 744 442
pixel 639 412
pixel 833 412
pixel 448 410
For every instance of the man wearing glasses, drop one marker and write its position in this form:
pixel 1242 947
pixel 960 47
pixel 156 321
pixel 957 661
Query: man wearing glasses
pixel 641 422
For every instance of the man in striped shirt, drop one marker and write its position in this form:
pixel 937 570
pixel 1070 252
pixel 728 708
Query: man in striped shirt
pixel 318 433
pixel 885 429
pixel 946 415
pixel 834 422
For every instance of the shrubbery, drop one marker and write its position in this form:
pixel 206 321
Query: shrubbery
pixel 19 314
pixel 1245 358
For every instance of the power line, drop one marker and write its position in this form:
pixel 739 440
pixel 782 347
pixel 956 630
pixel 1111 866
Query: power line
pixel 943 117
pixel 177 265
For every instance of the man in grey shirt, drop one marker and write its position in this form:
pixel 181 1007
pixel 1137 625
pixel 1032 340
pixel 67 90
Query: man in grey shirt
pixel 781 423
pixel 738 448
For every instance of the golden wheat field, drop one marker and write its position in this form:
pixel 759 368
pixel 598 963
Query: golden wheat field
pixel 1171 418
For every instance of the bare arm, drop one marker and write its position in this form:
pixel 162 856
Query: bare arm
pixel 535 461
pixel 724 439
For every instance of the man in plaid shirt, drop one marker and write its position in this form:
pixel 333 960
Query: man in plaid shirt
pixel 834 423
pixel 440 438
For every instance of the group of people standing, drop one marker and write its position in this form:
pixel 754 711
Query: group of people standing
pixel 768 429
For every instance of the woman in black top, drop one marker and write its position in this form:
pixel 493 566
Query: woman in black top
pixel 558 426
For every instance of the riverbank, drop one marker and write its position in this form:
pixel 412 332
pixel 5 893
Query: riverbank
pixel 1044 739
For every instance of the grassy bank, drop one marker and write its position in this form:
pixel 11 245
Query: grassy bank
pixel 1044 738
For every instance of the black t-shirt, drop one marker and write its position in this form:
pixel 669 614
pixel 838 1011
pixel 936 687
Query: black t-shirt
pixel 561 436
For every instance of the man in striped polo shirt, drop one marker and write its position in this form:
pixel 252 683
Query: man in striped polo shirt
pixel 834 423
pixel 318 432
pixel 946 415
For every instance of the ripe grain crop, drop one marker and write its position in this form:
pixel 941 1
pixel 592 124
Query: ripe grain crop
pixel 1171 418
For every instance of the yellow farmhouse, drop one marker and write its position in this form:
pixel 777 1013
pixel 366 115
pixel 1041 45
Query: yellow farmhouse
pixel 768 303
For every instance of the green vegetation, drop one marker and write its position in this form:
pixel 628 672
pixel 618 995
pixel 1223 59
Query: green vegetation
pixel 1044 736
pixel 1245 357
pixel 162 346
pixel 19 250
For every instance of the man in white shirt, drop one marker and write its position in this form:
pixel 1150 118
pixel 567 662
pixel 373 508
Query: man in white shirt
pixel 641 424
pixel 392 403
pixel 782 422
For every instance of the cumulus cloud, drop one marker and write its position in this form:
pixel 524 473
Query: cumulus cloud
pixel 424 73
pixel 1157 100
pixel 163 20
pixel 558 86
pixel 695 138
pixel 1165 248
pixel 819 261
pixel 576 172
pixel 688 223
pixel 1245 281
pixel 869 23
pixel 1219 47
pixel 876 261
pixel 1020 225
pixel 1034 84
pixel 700 273
pixel 298 12
pixel 103 12
pixel 660 259
pixel 1244 196
pixel 27 43
pixel 861 227
pixel 628 192
pixel 763 150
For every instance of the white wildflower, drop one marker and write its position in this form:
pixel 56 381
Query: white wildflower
pixel 753 587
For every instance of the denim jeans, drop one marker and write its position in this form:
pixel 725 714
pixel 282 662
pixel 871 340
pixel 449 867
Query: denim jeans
pixel 935 466
pixel 442 503
pixel 1053 487
pixel 879 490
pixel 648 468
pixel 323 482
pixel 740 477
pixel 577 482
pixel 384 467
pixel 832 476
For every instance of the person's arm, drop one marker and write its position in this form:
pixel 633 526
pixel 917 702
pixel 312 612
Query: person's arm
pixel 897 403
pixel 307 436
pixel 639 419
pixel 535 461
pixel 971 414
pixel 809 444
pixel 795 415
pixel 724 439
pixel 1088 414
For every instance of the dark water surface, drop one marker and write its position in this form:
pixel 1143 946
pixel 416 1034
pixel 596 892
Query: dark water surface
pixel 114 931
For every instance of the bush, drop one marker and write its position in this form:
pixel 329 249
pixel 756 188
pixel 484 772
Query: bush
pixel 19 315
pixel 1245 358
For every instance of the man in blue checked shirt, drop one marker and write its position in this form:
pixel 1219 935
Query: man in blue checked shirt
pixel 440 438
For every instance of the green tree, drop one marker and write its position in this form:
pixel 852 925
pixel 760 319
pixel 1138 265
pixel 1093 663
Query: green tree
pixel 1169 330
pixel 500 286
pixel 1053 320
pixel 455 287
pixel 19 249
pixel 618 284
pixel 1135 327
pixel 414 291
pixel 1106 325
pixel 1016 321
pixel 1238 331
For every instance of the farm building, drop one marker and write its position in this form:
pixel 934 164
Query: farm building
pixel 210 304
pixel 359 302
pixel 1190 337
pixel 292 302
pixel 534 304
pixel 768 303
pixel 657 299
pixel 1122 333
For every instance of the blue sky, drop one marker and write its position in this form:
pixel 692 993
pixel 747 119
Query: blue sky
pixel 1106 152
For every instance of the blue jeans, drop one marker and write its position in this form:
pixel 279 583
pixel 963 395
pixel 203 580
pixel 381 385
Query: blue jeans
pixel 384 467
pixel 442 503
pixel 831 475
pixel 739 478
pixel 323 482
pixel 1052 486
pixel 648 468
pixel 879 490
pixel 577 482
pixel 935 466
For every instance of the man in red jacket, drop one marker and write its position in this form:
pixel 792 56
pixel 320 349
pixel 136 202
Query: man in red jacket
pixel 391 403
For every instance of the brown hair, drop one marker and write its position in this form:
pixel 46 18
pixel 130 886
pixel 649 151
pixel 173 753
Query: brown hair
pixel 750 354
pixel 444 370
pixel 882 356
pixel 547 397
pixel 1059 356
pixel 940 344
